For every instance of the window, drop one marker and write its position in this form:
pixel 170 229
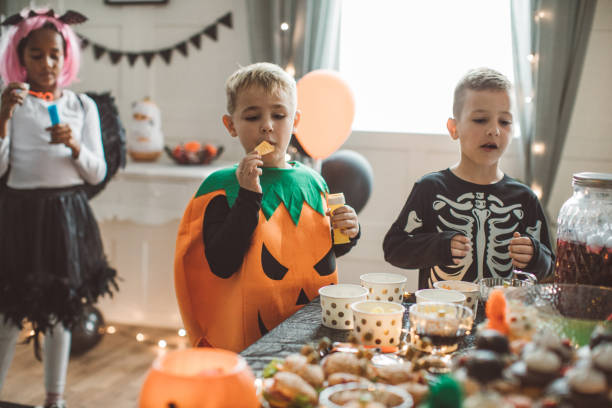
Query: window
pixel 404 58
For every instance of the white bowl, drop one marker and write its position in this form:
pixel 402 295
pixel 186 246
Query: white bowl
pixel 384 286
pixel 375 392
pixel 469 289
pixel 336 302
pixel 440 295
pixel 378 323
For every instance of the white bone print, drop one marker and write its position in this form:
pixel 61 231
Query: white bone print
pixel 488 224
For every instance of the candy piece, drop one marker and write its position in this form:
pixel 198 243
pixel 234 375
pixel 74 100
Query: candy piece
pixel 264 148
pixel 335 201
pixel 496 312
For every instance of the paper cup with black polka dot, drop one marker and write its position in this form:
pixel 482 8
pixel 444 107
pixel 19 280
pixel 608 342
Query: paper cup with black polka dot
pixel 387 287
pixel 469 289
pixel 378 323
pixel 336 302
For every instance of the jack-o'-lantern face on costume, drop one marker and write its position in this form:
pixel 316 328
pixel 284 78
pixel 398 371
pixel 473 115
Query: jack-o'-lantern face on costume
pixel 289 259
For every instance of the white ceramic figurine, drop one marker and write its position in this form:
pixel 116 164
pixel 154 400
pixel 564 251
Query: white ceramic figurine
pixel 145 139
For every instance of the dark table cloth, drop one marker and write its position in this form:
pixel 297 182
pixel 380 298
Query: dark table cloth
pixel 305 327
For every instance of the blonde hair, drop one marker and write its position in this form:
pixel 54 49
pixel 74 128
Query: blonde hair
pixel 269 76
pixel 478 79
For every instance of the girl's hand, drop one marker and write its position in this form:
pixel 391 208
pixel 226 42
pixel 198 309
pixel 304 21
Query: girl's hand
pixel 248 172
pixel 345 219
pixel 460 246
pixel 62 134
pixel 14 94
pixel 520 250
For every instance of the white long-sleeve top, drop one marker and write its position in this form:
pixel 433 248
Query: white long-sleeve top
pixel 34 162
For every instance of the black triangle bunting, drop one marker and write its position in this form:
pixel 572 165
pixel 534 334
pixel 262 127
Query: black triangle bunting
pixel 182 48
pixel 115 56
pixel 132 57
pixel 211 31
pixel 226 20
pixel 148 57
pixel 196 40
pixel 165 53
pixel 98 51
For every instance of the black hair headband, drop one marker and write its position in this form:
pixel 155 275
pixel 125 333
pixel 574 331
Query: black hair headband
pixel 69 17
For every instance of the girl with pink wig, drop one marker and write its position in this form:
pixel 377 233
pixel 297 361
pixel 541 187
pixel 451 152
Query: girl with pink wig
pixel 52 264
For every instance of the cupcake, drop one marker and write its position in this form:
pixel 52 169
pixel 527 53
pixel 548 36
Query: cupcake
pixel 484 366
pixel 537 368
pixel 486 400
pixel 588 387
pixel 601 334
pixel 492 340
pixel 602 360
pixel 553 342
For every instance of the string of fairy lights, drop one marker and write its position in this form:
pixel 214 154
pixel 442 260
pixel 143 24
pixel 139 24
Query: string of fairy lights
pixel 140 335
pixel 160 342
pixel 537 148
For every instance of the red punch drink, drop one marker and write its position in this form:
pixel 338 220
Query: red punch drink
pixel 584 234
pixel 579 263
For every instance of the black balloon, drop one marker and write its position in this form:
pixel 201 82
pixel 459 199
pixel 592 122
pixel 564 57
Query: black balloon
pixel 88 332
pixel 348 172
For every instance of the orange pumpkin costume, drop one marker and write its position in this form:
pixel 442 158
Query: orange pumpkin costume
pixel 292 231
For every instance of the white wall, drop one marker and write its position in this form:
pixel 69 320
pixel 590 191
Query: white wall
pixel 190 94
pixel 399 160
pixel 189 91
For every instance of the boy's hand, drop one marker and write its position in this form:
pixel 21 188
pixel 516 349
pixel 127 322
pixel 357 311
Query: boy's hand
pixel 520 250
pixel 248 172
pixel 460 246
pixel 345 219
pixel 62 134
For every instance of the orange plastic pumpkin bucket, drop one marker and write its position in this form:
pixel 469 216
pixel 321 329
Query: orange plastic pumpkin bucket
pixel 203 378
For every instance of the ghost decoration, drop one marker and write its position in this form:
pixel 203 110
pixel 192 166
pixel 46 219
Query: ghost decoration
pixel 145 139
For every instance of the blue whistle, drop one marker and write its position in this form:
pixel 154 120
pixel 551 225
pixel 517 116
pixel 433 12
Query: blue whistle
pixel 53 114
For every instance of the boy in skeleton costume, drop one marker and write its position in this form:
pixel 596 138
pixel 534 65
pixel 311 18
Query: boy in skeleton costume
pixel 471 221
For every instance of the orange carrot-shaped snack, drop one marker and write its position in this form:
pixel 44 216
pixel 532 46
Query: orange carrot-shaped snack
pixel 496 312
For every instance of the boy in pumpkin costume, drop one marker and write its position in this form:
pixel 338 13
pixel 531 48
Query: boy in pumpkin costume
pixel 255 242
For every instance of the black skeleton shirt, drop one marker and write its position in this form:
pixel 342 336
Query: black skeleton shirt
pixel 442 205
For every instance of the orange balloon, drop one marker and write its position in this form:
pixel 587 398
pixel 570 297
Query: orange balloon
pixel 327 104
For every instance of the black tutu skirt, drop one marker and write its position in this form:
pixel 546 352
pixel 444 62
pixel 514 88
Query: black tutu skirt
pixel 52 262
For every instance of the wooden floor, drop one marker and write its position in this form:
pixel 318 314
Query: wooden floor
pixel 109 375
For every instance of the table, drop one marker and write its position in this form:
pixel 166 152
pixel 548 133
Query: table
pixel 305 327
pixel 151 193
pixel 139 213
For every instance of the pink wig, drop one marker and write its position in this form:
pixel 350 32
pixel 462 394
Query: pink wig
pixel 11 69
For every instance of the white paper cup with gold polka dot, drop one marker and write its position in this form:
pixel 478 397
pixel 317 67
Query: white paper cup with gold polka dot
pixel 469 289
pixel 384 286
pixel 336 304
pixel 378 323
pixel 440 295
